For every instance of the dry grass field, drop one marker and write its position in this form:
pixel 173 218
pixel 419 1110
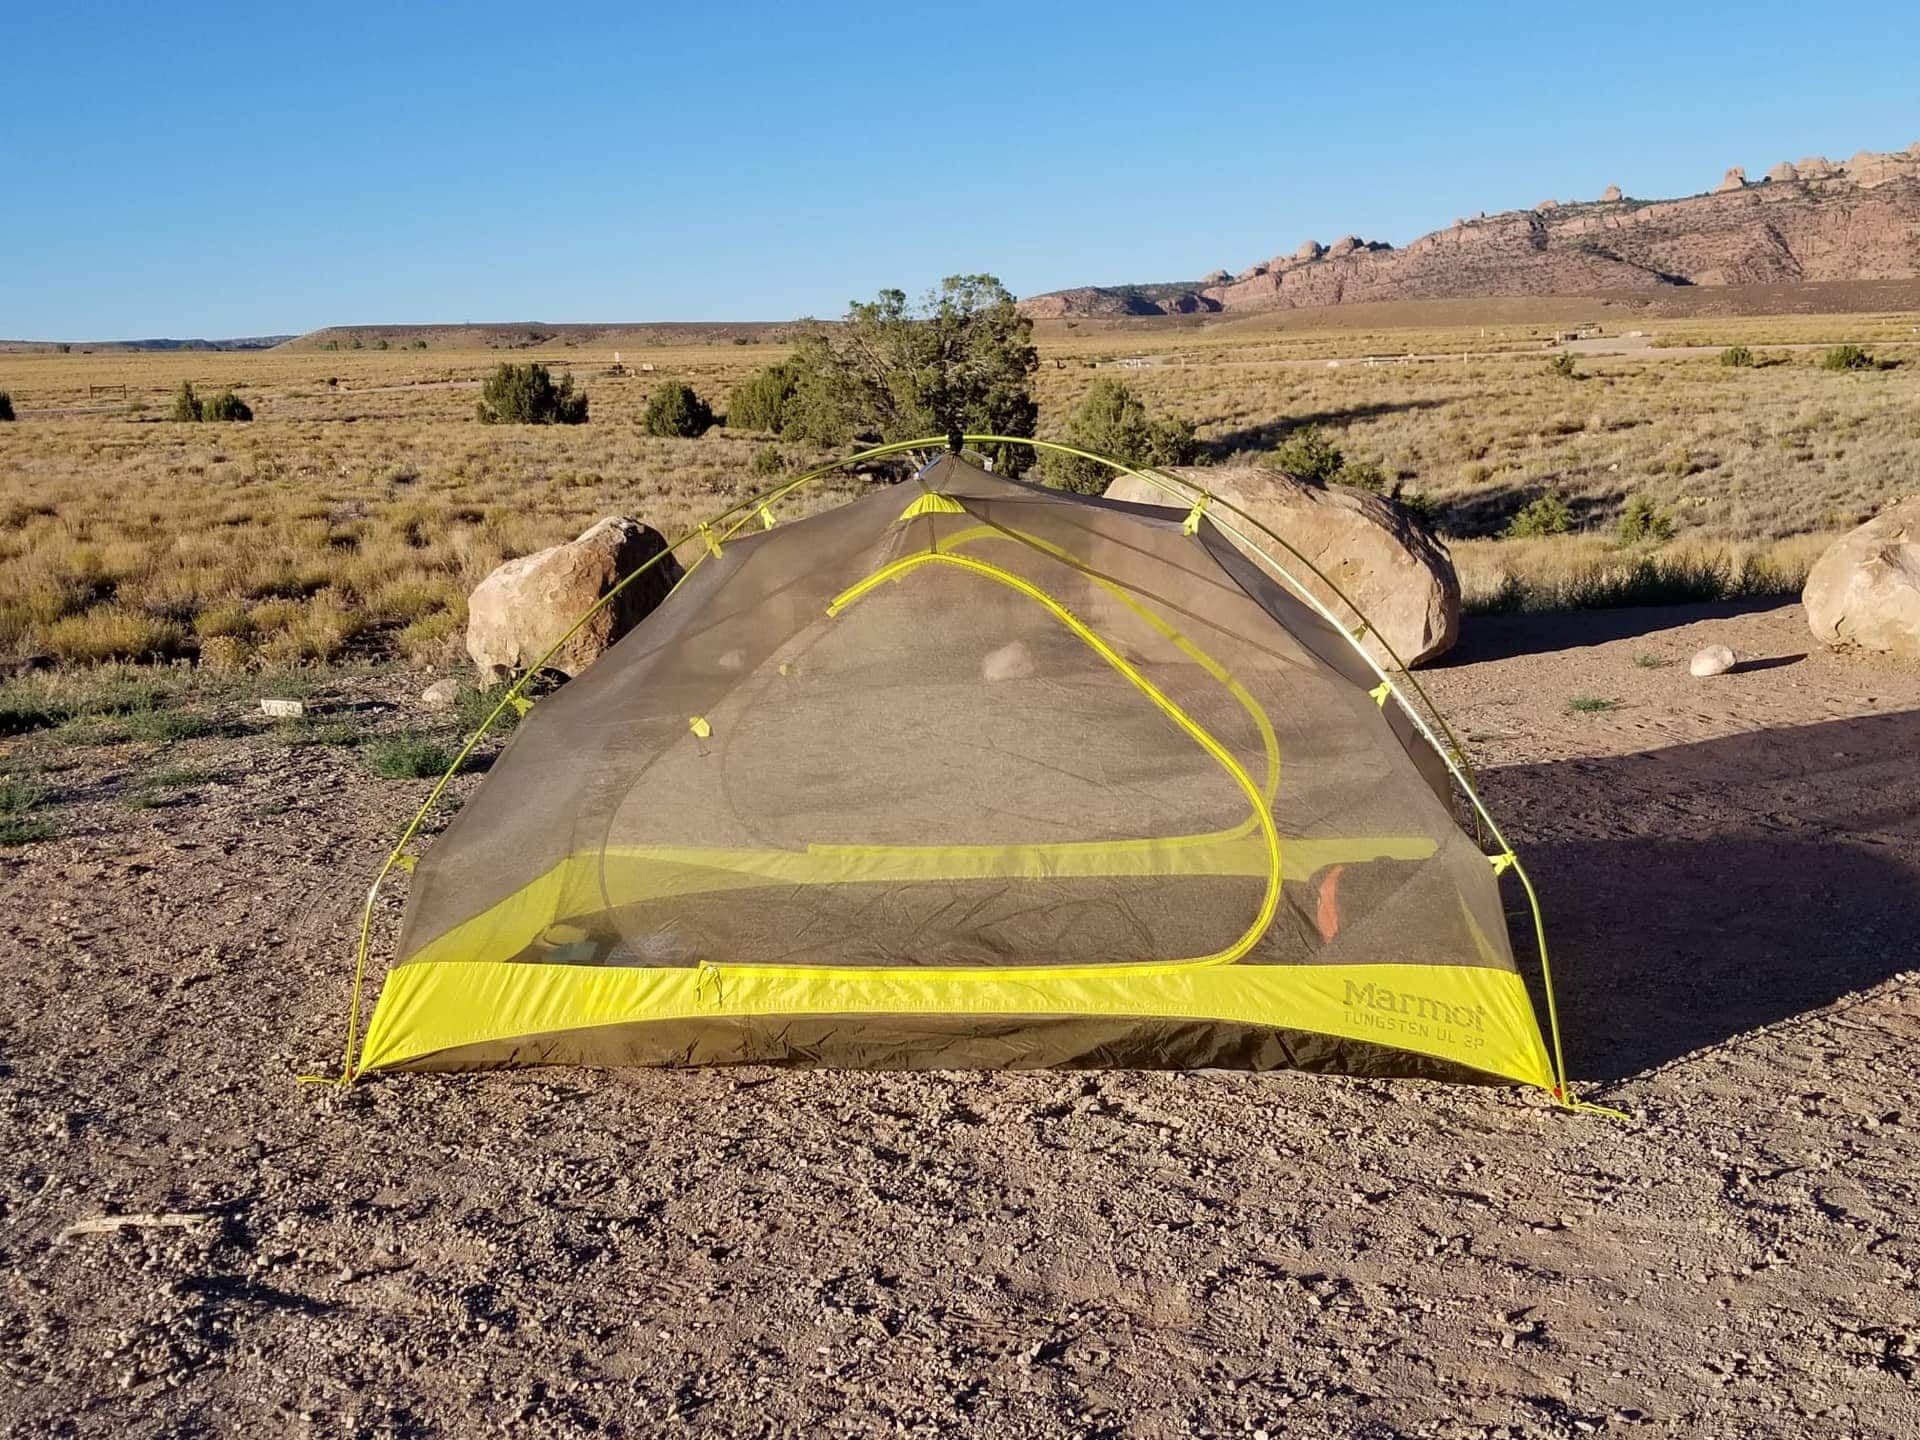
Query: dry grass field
pixel 352 516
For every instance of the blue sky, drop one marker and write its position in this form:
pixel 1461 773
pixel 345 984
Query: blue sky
pixel 169 170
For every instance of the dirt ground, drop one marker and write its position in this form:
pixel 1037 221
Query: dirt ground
pixel 1731 870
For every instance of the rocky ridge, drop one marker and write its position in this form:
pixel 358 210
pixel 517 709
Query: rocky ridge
pixel 1807 220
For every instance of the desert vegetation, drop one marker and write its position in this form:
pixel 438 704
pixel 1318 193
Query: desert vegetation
pixel 529 395
pixel 1111 420
pixel 674 410
pixel 353 515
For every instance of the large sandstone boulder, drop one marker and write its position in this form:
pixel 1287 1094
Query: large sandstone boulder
pixel 527 604
pixel 1400 576
pixel 1865 590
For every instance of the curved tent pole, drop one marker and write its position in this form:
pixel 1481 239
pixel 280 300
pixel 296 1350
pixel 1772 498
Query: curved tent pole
pixel 742 512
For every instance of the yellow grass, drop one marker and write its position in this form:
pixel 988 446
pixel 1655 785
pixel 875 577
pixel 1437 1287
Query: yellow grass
pixel 360 507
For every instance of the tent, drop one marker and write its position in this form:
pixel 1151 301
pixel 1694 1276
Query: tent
pixel 968 773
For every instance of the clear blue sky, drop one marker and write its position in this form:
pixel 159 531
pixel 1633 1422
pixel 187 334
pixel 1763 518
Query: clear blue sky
pixel 227 170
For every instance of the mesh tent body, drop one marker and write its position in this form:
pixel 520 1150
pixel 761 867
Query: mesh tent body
pixel 965 773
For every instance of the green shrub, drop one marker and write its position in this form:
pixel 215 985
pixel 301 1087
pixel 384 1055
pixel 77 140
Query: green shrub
pixel 186 405
pixel 958 363
pixel 760 401
pixel 226 406
pixel 767 462
pixel 1111 420
pixel 528 395
pixel 1846 357
pixel 22 803
pixel 1307 454
pixel 407 757
pixel 1364 475
pixel 1548 515
pixel 474 705
pixel 1422 507
pixel 1562 365
pixel 1736 357
pixel 674 410
pixel 1643 522
pixel 1591 705
pixel 6 406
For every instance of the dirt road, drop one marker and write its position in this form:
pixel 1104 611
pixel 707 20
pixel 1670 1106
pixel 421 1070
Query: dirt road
pixel 1732 872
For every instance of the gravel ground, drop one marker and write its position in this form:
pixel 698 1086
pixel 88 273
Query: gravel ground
pixel 1732 872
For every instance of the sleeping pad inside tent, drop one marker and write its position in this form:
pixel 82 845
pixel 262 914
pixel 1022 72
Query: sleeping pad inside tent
pixel 966 773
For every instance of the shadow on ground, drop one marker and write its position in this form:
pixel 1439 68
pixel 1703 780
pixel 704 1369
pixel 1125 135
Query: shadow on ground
pixel 1502 637
pixel 1270 433
pixel 1745 881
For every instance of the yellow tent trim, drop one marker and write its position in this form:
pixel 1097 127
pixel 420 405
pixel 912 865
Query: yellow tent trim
pixel 1474 1016
pixel 593 881
pixel 933 504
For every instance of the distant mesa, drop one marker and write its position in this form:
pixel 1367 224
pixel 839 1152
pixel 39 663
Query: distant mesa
pixel 1809 221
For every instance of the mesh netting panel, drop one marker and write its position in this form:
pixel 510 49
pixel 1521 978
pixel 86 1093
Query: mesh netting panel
pixel 1033 731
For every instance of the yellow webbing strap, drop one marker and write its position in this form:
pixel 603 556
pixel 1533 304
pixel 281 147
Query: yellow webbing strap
pixel 700 726
pixel 1380 693
pixel 767 522
pixel 1191 525
pixel 521 704
pixel 1262 813
pixel 1501 863
pixel 933 504
pixel 713 545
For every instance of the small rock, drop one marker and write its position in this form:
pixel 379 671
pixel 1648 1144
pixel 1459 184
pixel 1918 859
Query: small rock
pixel 441 695
pixel 1714 660
pixel 283 709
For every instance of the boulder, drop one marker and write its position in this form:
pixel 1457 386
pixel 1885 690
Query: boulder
pixel 1714 660
pixel 1610 194
pixel 1785 173
pixel 1309 250
pixel 527 604
pixel 1734 179
pixel 1398 574
pixel 1865 590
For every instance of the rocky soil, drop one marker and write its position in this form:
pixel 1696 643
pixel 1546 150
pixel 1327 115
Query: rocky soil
pixel 1732 871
